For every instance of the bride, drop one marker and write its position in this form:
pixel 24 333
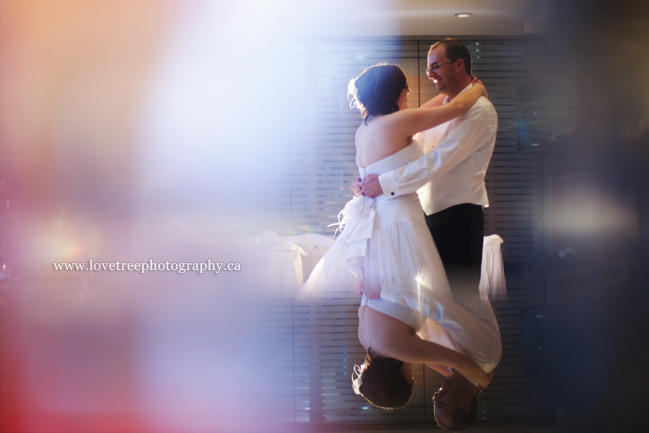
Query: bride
pixel 385 252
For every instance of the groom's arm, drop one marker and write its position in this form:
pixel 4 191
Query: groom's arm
pixel 472 131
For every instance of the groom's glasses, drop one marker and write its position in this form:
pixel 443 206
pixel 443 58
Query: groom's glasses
pixel 433 67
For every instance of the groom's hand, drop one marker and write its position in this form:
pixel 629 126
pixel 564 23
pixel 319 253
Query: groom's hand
pixel 370 187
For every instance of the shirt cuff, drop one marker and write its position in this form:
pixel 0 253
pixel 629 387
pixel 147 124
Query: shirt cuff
pixel 388 184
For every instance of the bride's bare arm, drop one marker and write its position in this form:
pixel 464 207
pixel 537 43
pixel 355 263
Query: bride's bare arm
pixel 392 338
pixel 411 121
pixel 473 371
pixel 414 350
pixel 439 99
pixel 435 102
pixel 485 378
pixel 441 369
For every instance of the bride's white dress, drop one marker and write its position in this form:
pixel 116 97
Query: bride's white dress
pixel 386 244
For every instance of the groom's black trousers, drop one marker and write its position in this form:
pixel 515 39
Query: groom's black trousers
pixel 458 233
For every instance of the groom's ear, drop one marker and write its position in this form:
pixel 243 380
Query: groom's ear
pixel 459 65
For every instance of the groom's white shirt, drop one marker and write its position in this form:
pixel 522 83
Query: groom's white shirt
pixel 452 171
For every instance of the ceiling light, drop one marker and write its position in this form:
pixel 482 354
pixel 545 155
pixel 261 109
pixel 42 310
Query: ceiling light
pixel 463 15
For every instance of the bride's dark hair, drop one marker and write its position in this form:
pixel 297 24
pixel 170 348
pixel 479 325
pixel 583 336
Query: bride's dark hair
pixel 382 382
pixel 377 89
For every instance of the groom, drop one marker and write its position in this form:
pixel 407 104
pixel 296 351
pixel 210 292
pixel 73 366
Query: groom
pixel 450 182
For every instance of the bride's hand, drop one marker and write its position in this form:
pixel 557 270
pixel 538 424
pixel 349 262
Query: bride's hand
pixel 482 385
pixel 477 83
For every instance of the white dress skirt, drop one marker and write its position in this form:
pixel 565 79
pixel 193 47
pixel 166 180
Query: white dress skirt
pixel 386 245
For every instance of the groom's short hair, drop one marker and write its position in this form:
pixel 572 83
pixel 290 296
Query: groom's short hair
pixel 455 50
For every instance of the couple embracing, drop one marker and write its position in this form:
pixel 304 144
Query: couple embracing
pixel 420 298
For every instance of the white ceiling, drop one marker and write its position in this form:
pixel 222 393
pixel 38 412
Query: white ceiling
pixel 420 17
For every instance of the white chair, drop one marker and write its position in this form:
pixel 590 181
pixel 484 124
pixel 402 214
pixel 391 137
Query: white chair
pixel 492 278
pixel 284 262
